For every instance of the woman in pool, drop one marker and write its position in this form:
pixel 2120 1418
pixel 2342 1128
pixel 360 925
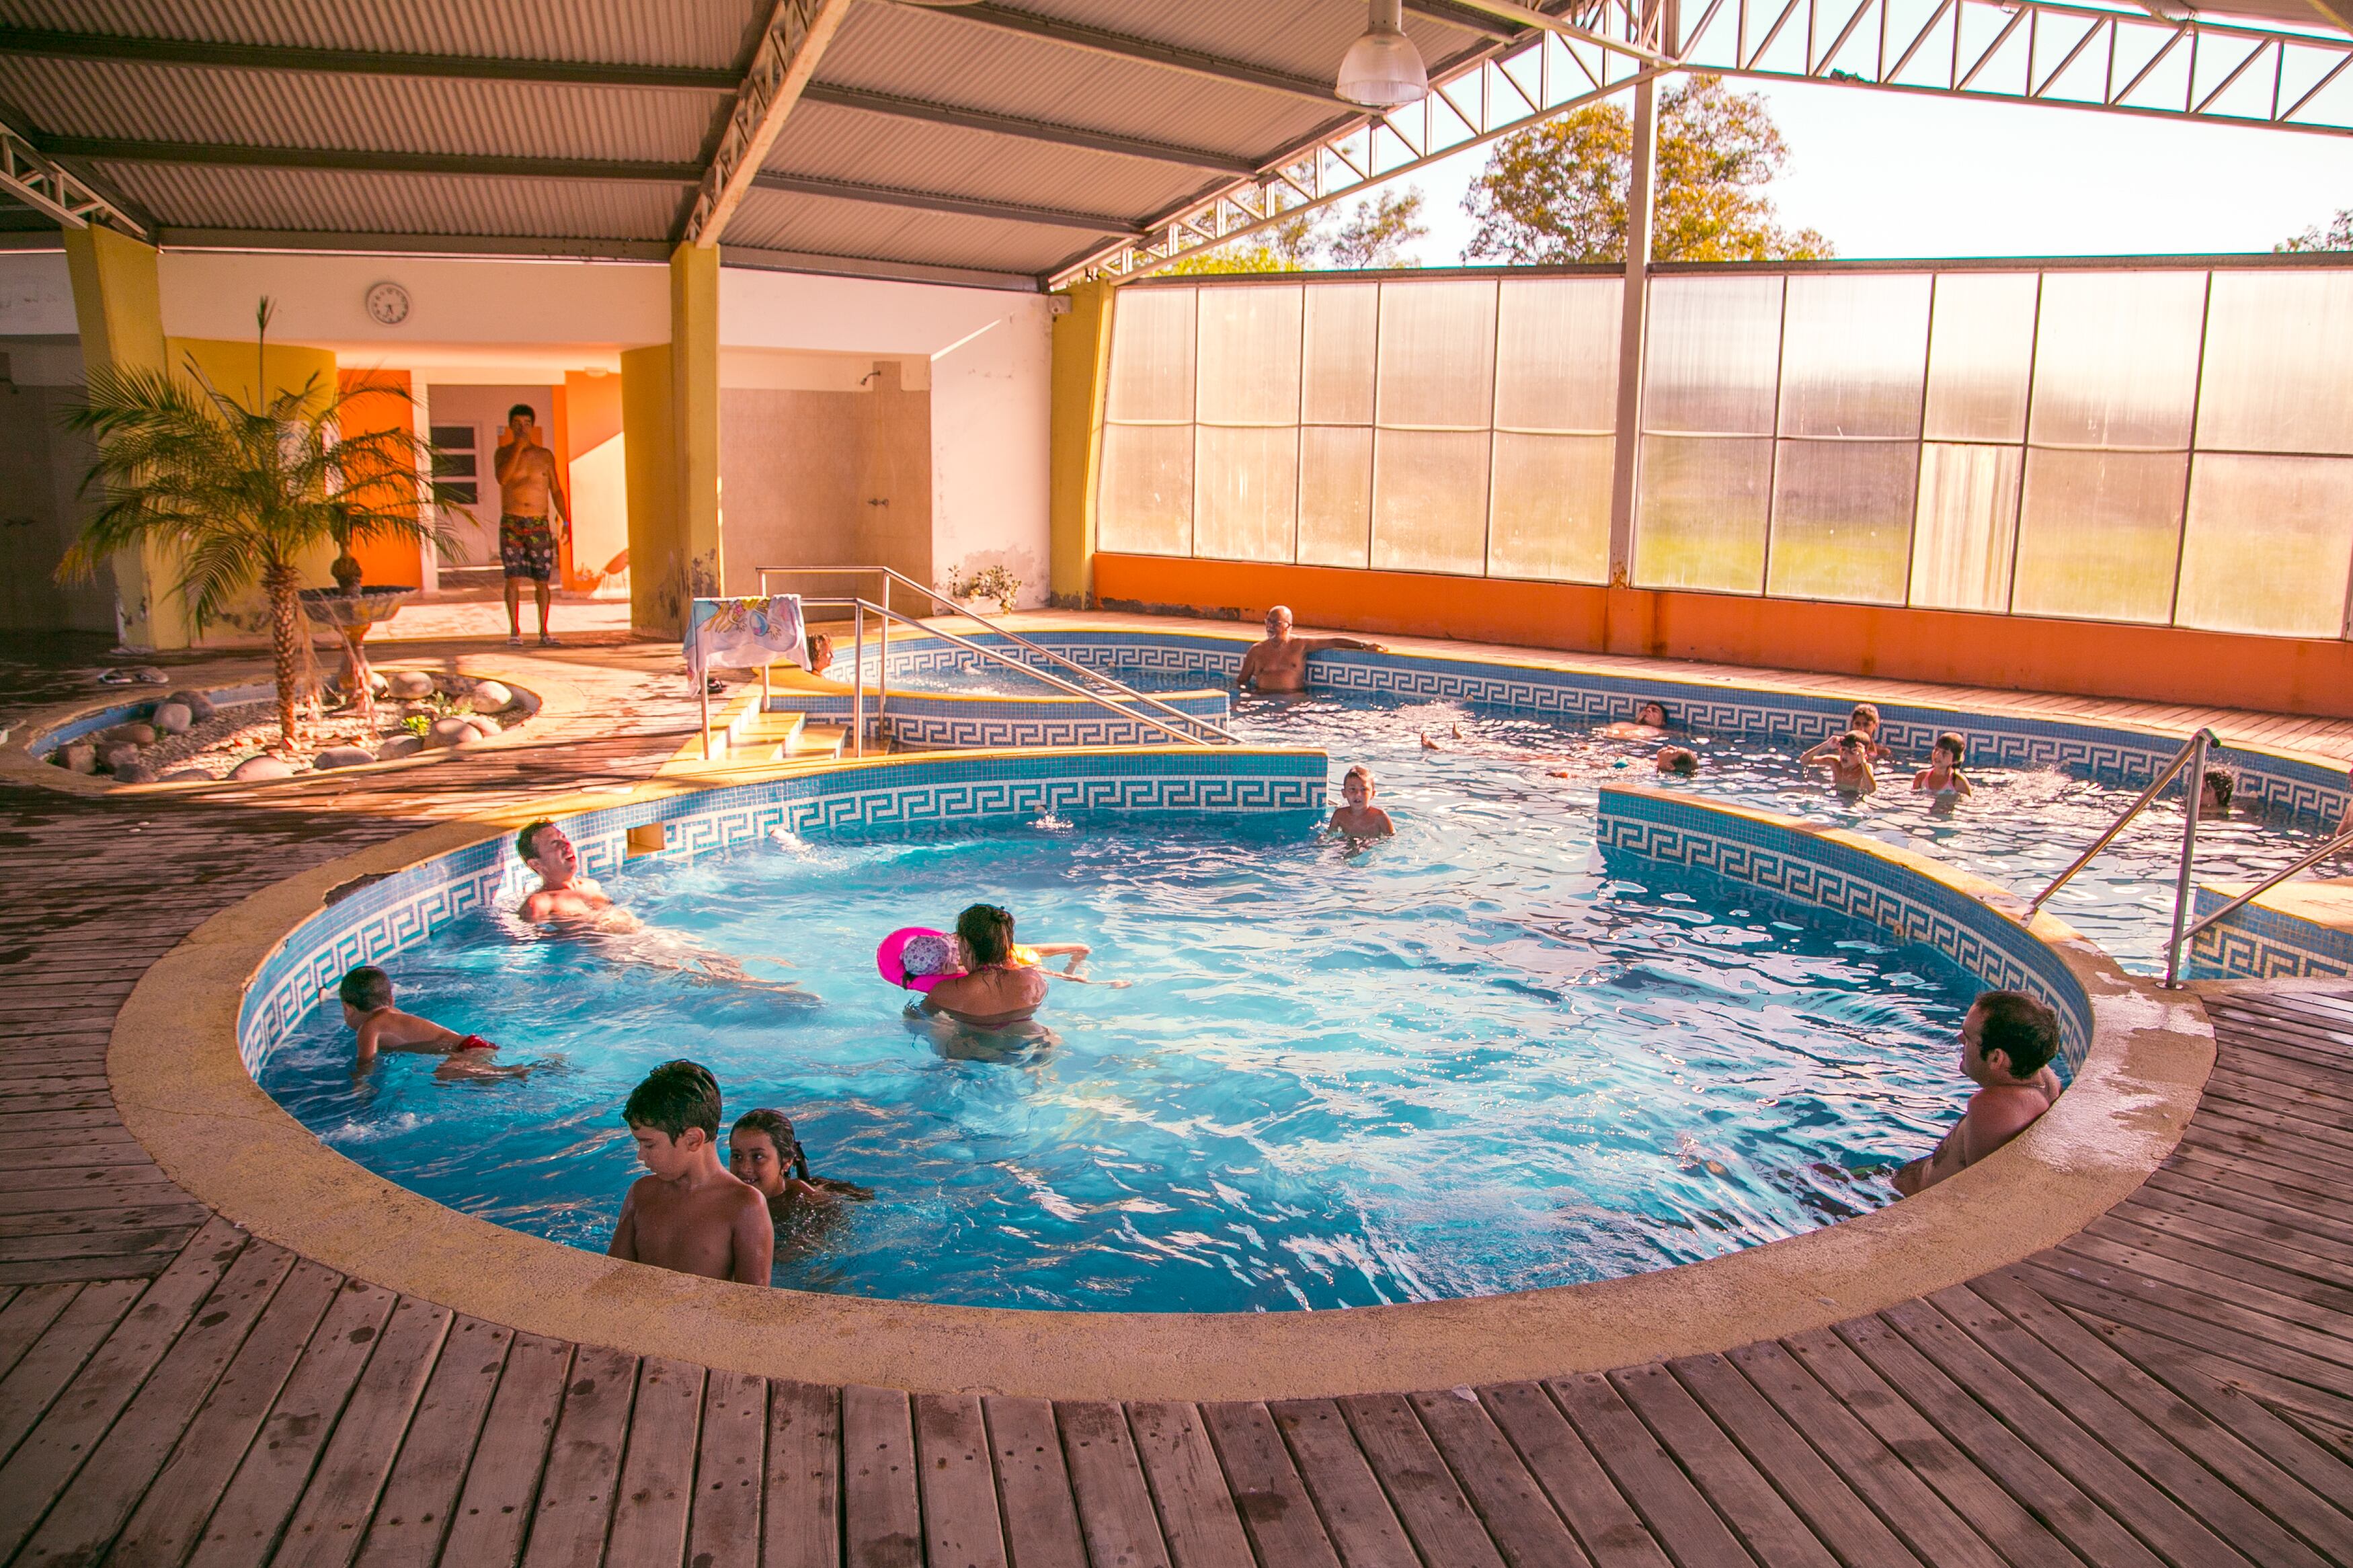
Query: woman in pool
pixel 763 1153
pixel 998 993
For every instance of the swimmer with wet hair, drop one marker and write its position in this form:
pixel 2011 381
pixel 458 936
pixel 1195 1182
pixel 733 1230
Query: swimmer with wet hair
pixel 763 1153
pixel 2214 791
pixel 1680 761
pixel 366 996
pixel 1943 775
pixel 1649 723
pixel 1357 817
pixel 1864 722
pixel 2008 1042
pixel 1850 765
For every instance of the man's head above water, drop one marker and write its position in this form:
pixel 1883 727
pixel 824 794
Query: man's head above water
pixel 545 849
pixel 1278 622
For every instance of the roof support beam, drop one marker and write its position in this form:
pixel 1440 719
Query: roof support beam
pixel 60 45
pixel 123 150
pixel 1029 130
pixel 796 34
pixel 1127 47
pixel 27 175
pixel 963 206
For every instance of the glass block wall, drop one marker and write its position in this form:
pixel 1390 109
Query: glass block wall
pixel 2168 446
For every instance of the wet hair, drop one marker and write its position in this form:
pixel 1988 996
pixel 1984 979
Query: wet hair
pixel 2023 1030
pixel 779 1127
pixel 988 934
pixel 1954 744
pixel 1359 772
pixel 1651 703
pixel 1864 714
pixel 366 988
pixel 1682 761
pixel 818 643
pixel 674 1097
pixel 530 831
pixel 2224 785
pixel 525 409
pixel 1853 737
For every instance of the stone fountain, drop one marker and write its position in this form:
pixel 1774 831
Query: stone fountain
pixel 350 614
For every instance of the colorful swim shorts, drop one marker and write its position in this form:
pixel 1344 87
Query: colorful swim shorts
pixel 527 547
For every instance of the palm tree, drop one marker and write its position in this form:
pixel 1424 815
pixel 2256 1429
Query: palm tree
pixel 242 490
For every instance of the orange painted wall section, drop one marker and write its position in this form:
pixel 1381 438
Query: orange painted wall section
pixel 588 414
pixel 383 561
pixel 2280 675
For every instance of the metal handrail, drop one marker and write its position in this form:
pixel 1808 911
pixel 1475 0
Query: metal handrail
pixel 936 598
pixel 858 688
pixel 2342 842
pixel 2192 756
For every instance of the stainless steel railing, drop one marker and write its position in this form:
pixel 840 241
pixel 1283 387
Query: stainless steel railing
pixel 859 609
pixel 2341 844
pixel 932 598
pixel 2191 756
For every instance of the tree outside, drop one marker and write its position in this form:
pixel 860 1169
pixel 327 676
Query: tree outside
pixel 1374 233
pixel 2335 234
pixel 1556 192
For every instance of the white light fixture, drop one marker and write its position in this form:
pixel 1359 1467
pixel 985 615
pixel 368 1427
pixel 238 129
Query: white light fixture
pixel 1383 69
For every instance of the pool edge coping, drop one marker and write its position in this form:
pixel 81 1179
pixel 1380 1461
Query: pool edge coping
pixel 184 1094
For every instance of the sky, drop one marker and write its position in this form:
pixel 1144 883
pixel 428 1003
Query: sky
pixel 1895 175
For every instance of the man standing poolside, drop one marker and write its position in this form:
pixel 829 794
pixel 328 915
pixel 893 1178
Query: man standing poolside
pixel 1279 663
pixel 528 485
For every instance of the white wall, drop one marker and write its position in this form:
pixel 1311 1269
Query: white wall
pixel 36 295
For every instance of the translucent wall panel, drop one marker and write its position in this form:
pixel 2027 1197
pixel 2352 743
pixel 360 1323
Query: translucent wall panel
pixel 2116 359
pixel 2269 545
pixel 1982 356
pixel 1843 519
pixel 1700 520
pixel 1556 355
pixel 1248 356
pixel 1967 525
pixel 1438 353
pixel 1551 513
pixel 1715 355
pixel 2279 362
pixel 1336 495
pixel 1854 350
pixel 1146 501
pixel 1343 323
pixel 2098 535
pixel 1247 491
pixel 1151 356
pixel 1429 498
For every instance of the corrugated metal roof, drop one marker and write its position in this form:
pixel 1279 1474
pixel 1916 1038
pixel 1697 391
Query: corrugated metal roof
pixel 882 149
pixel 321 201
pixel 631 32
pixel 775 220
pixel 1303 40
pixel 317 108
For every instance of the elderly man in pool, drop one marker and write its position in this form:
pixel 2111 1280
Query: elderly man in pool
pixel 1280 662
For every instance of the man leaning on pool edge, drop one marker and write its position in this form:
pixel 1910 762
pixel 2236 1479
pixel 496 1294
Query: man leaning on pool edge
pixel 1280 662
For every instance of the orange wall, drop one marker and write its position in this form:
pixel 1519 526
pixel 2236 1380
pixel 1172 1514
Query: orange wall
pixel 383 561
pixel 2283 675
pixel 588 415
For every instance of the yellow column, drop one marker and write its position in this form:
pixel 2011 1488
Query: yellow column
pixel 118 307
pixel 1081 359
pixel 669 414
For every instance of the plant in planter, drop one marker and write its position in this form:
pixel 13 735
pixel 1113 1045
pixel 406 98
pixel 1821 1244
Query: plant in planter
pixel 240 490
pixel 989 583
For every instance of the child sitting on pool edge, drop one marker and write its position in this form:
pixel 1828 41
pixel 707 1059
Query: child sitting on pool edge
pixel 687 1213
pixel 1943 775
pixel 1358 817
pixel 366 995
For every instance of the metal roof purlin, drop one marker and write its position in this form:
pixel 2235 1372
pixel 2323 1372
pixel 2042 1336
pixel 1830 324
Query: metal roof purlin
pixel 1123 45
pixel 796 34
pixel 58 45
pixel 27 175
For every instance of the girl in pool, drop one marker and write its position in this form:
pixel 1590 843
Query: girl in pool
pixel 1863 721
pixel 763 1153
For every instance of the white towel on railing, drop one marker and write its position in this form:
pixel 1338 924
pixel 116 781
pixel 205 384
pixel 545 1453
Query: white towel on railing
pixel 745 633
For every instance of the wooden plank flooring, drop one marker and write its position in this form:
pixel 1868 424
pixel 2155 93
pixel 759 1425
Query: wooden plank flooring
pixel 2172 1386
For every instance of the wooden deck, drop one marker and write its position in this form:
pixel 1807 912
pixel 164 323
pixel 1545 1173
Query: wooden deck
pixel 2172 1386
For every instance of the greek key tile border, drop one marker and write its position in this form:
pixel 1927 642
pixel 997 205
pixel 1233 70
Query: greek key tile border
pixel 1805 868
pixel 2252 943
pixel 409 906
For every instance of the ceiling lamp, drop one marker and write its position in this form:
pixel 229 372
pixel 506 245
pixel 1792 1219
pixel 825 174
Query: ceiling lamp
pixel 1383 69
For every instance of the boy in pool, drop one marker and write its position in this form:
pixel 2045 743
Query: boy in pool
pixel 1943 775
pixel 761 1152
pixel 366 994
pixel 1850 764
pixel 1863 721
pixel 1649 723
pixel 2214 793
pixel 1357 817
pixel 689 1214
pixel 2007 1041
pixel 1680 761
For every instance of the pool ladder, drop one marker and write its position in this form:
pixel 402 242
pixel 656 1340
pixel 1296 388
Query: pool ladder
pixel 1187 728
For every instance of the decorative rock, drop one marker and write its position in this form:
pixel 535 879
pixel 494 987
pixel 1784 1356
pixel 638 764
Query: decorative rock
pixel 453 685
pixel 148 675
pixel 199 706
pixel 81 757
pixel 172 718
pixel 118 756
pixel 133 772
pixel 264 767
pixel 491 697
pixel 378 683
pixel 185 776
pixel 407 683
pixel 127 735
pixel 342 757
pixel 399 746
pixel 451 732
pixel 487 725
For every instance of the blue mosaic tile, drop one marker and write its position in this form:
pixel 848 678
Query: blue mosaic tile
pixel 2257 943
